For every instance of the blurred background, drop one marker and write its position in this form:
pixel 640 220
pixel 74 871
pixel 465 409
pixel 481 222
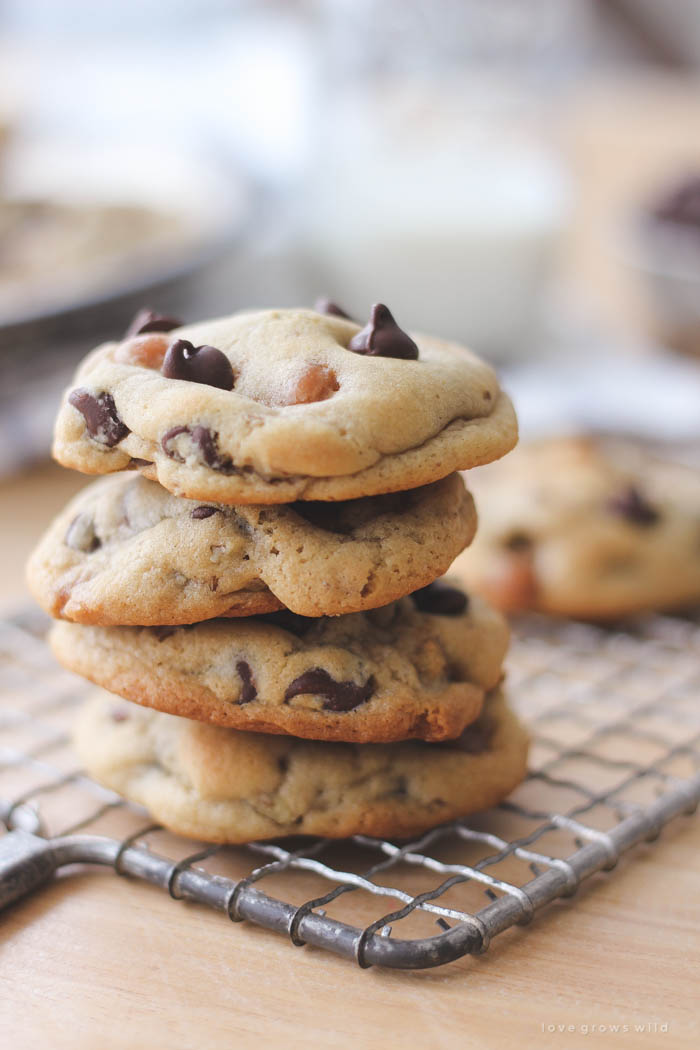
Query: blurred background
pixel 521 176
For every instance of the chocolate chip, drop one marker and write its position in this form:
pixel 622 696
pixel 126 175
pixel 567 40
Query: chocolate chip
pixel 81 535
pixel 631 505
pixel 205 441
pixel 327 306
pixel 248 689
pixel 149 321
pixel 440 599
pixel 204 512
pixel 339 696
pixel 198 364
pixel 162 633
pixel 518 542
pixel 100 414
pixel 382 337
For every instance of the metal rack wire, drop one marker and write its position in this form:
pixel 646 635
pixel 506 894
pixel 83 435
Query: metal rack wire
pixel 615 724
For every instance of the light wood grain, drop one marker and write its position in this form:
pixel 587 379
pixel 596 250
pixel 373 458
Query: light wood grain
pixel 97 961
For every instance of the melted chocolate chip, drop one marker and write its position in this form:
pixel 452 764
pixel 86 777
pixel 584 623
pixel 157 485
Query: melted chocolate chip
pixel 249 691
pixel 198 364
pixel 327 306
pixel 382 337
pixel 339 696
pixel 162 633
pixel 440 599
pixel 205 441
pixel 631 505
pixel 100 414
pixel 518 542
pixel 81 535
pixel 149 321
pixel 204 512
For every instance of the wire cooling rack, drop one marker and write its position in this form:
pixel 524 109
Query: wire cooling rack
pixel 615 723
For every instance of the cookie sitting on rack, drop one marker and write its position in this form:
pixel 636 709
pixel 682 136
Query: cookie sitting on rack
pixel 221 785
pixel 586 528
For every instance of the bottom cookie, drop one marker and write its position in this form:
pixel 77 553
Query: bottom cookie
pixel 223 785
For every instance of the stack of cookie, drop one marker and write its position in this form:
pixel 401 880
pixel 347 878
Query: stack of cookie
pixel 261 576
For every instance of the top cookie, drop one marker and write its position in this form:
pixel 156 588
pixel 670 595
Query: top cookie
pixel 280 405
pixel 585 528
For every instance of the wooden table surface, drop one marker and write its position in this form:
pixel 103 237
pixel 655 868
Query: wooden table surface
pixel 97 961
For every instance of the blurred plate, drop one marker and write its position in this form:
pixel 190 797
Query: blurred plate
pixel 47 332
pixel 65 201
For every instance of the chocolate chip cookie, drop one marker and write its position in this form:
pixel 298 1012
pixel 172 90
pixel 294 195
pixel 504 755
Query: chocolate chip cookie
pixel 416 668
pixel 585 528
pixel 220 785
pixel 126 551
pixel 282 405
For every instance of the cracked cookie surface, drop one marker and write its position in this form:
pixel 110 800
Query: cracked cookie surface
pixel 126 551
pixel 388 674
pixel 585 527
pixel 306 418
pixel 221 785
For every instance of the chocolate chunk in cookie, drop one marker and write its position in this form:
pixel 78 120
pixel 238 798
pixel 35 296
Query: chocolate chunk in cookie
pixel 249 690
pixel 518 542
pixel 382 337
pixel 81 535
pixel 338 696
pixel 327 306
pixel 149 321
pixel 204 440
pixel 631 505
pixel 198 364
pixel 101 419
pixel 204 512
